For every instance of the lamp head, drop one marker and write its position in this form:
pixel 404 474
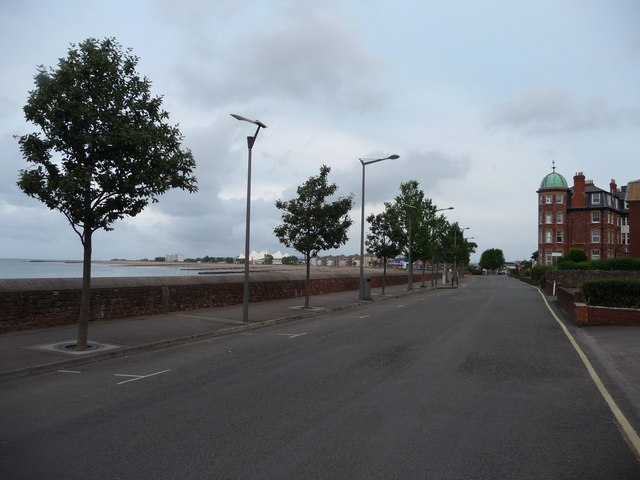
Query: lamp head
pixel 243 119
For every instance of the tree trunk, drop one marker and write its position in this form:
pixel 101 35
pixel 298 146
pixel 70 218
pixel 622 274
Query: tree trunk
pixel 384 273
pixel 85 299
pixel 307 282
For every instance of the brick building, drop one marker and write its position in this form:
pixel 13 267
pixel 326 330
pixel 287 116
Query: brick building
pixel 583 216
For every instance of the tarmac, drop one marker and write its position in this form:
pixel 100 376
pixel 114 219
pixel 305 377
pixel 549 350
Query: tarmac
pixel 43 350
pixel 615 349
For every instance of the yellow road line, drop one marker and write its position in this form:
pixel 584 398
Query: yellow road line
pixel 629 433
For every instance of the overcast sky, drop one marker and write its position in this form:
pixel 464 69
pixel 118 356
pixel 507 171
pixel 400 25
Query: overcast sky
pixel 477 97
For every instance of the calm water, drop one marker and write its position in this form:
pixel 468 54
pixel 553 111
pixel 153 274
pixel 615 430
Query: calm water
pixel 12 268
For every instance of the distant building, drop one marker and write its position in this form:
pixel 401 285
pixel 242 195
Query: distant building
pixel 258 257
pixel 174 257
pixel 585 216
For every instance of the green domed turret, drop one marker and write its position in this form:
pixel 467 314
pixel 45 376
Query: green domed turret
pixel 554 180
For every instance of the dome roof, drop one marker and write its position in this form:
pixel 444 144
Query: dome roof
pixel 554 180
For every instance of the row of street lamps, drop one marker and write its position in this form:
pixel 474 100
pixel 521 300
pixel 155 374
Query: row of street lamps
pixel 364 161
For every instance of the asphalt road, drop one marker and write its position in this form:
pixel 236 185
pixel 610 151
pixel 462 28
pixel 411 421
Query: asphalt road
pixel 474 383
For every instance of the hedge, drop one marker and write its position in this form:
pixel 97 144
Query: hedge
pixel 625 263
pixel 538 273
pixel 612 293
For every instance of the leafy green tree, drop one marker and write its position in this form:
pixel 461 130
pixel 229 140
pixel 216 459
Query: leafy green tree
pixel 268 259
pixel 385 239
pixel 409 205
pixel 311 223
pixel 492 259
pixel 290 260
pixel 105 149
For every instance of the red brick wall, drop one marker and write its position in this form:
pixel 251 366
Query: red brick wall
pixel 634 229
pixel 593 316
pixel 590 315
pixel 36 303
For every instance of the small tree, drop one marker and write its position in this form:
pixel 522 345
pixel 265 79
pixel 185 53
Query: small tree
pixel 409 205
pixel 492 259
pixel 290 260
pixel 268 259
pixel 385 239
pixel 104 151
pixel 311 224
pixel 576 255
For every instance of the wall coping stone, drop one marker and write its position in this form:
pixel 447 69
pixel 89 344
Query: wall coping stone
pixel 44 284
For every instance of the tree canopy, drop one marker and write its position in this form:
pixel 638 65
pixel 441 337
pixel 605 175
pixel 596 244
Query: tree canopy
pixel 492 259
pixel 104 149
pixel 312 223
pixel 386 238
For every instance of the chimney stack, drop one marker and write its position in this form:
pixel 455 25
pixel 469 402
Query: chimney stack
pixel 613 188
pixel 578 200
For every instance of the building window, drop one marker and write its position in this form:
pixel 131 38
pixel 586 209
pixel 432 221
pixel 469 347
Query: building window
pixel 559 217
pixel 559 236
pixel 595 217
pixel 541 199
pixel 595 198
pixel 625 238
pixel 548 199
pixel 595 235
pixel 559 198
pixel 549 258
pixel 548 236
pixel 610 237
pixel 595 254
pixel 548 218
pixel 540 236
pixel 625 221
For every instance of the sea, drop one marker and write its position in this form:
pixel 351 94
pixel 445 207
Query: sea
pixel 21 268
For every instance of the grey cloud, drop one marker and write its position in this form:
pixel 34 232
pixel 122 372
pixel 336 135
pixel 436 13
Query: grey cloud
pixel 309 57
pixel 554 110
pixel 429 168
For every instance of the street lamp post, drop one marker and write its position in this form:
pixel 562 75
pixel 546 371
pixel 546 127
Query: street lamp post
pixel 455 254
pixel 365 162
pixel 435 274
pixel 250 142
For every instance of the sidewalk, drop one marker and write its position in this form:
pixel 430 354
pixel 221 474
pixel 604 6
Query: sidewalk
pixel 34 351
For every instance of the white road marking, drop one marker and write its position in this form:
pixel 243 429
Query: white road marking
pixel 68 371
pixel 358 316
pixel 137 377
pixel 292 335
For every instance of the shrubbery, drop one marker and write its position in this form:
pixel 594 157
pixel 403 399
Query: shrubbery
pixel 605 264
pixel 538 273
pixel 612 293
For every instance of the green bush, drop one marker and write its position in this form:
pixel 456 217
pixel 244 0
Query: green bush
pixel 577 255
pixel 538 272
pixel 612 293
pixel 565 264
pixel 606 264
pixel 616 264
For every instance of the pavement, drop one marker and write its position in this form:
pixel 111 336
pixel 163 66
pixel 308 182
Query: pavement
pixel 616 349
pixel 43 350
